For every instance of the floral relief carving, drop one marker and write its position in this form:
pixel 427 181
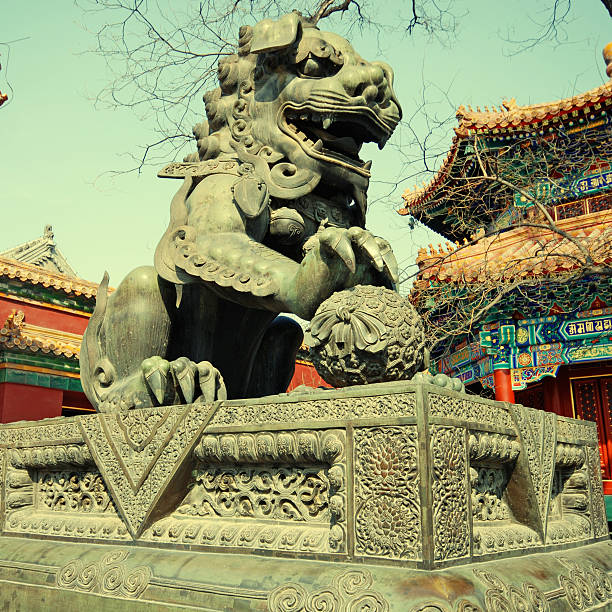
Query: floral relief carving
pixel 598 508
pixel 246 483
pixel 492 447
pixel 290 447
pixel 538 434
pixel 572 430
pixel 569 455
pixel 138 456
pixel 453 407
pixel 49 457
pixel 66 431
pixel 2 486
pixel 387 502
pixel 109 576
pixel 348 591
pixel 450 496
pixel 19 490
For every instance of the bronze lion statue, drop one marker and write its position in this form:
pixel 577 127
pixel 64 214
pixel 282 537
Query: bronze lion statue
pixel 269 219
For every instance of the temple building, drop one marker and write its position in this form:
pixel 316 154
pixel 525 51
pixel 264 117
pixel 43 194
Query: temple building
pixel 525 289
pixel 44 310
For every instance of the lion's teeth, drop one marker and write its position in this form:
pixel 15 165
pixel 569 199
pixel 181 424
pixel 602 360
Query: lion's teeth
pixel 318 146
pixel 367 165
pixel 292 127
pixel 327 123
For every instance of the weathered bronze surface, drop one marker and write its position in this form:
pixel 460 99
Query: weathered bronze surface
pixel 269 219
pixel 394 496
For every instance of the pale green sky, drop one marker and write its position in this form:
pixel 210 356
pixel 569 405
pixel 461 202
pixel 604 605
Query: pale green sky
pixel 56 147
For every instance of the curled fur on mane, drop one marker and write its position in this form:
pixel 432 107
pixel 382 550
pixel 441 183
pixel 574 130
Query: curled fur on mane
pixel 223 105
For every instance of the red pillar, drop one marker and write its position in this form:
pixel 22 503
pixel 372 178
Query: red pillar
pixel 503 386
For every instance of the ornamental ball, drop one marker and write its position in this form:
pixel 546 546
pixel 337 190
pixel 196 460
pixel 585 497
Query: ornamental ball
pixel 366 335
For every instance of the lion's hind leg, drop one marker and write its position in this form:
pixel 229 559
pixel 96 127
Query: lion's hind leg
pixel 127 327
pixel 124 352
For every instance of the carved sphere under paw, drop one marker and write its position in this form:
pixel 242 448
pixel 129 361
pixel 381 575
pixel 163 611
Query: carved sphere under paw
pixel 366 335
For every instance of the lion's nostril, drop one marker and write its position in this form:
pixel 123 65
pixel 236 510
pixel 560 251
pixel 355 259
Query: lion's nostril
pixel 360 90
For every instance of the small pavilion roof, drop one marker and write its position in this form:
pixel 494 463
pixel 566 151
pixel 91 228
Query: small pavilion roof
pixel 509 120
pixel 41 252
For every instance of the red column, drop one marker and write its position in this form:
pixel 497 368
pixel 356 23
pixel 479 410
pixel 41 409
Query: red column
pixel 503 386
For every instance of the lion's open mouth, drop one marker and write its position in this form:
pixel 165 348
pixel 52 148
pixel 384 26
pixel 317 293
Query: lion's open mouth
pixel 335 135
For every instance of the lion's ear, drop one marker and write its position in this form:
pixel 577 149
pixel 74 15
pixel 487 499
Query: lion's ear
pixel 270 35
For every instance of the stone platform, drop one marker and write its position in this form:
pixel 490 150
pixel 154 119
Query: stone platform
pixel 398 496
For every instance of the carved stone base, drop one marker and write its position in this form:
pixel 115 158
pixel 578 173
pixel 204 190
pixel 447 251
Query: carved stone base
pixel 397 496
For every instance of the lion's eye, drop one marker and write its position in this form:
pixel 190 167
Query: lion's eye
pixel 313 67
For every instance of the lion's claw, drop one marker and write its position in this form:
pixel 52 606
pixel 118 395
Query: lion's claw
pixel 335 240
pixel 155 371
pixel 185 373
pixel 346 244
pixel 390 263
pixel 211 383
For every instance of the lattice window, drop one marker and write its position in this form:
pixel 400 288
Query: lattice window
pixel 571 209
pixel 600 203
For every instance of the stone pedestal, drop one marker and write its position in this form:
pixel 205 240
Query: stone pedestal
pixel 398 496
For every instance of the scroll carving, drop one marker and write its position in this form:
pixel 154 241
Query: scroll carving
pixel 294 494
pixel 348 591
pixel 500 596
pixel 74 492
pixel 109 576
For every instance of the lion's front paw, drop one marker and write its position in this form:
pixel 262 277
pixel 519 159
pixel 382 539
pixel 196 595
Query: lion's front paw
pixel 355 242
pixel 182 381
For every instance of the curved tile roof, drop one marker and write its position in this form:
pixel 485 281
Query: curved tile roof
pixel 39 276
pixel 509 117
pixel 15 333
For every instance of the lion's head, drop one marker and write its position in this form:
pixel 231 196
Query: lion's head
pixel 298 103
